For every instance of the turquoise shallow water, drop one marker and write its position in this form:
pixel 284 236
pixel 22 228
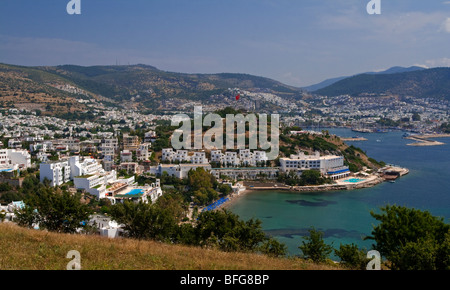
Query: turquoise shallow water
pixel 344 216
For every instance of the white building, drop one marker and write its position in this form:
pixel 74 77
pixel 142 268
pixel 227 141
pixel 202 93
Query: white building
pixel 169 154
pixel 107 227
pixel 143 152
pixel 13 157
pixel 252 158
pixel 260 156
pixel 4 159
pixel 150 137
pixel 87 173
pixel 57 172
pixel 96 184
pixel 86 167
pixel 216 155
pixel 112 143
pixel 199 158
pixel 178 170
pixel 107 150
pixel 14 143
pixel 126 156
pixel 330 166
pixel 244 157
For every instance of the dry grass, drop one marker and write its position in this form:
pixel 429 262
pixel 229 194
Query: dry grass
pixel 23 249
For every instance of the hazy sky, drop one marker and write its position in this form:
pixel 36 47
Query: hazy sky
pixel 294 41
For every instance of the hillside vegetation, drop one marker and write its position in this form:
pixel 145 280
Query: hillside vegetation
pixel 139 86
pixel 23 87
pixel 434 83
pixel 27 249
pixel 326 144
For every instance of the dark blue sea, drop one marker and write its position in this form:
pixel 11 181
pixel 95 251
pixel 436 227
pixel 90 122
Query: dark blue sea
pixel 344 216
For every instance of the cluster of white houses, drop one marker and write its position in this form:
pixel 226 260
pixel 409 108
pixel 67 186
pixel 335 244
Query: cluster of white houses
pixel 89 175
pixel 246 164
pixel 244 158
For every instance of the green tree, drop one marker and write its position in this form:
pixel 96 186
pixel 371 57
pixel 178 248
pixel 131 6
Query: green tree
pixel 201 186
pixel 145 221
pixel 352 257
pixel 224 189
pixel 314 247
pixel 273 248
pixel 411 239
pixel 54 210
pixel 175 204
pixel 200 178
pixel 225 231
pixel 311 177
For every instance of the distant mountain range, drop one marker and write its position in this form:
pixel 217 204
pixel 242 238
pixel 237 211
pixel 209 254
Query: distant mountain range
pixel 434 83
pixel 392 70
pixel 70 88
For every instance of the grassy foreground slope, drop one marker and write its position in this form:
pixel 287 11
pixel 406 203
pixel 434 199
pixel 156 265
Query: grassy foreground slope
pixel 24 249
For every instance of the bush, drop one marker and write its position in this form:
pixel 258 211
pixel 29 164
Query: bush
pixel 412 239
pixel 315 248
pixel 352 257
pixel 53 210
pixel 145 221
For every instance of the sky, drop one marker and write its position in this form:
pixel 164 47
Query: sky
pixel 297 42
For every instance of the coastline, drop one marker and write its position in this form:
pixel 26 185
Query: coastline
pixel 368 182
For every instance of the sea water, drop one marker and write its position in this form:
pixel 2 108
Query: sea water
pixel 344 216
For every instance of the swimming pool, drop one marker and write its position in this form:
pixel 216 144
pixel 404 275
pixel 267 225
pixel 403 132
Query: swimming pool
pixel 135 192
pixel 6 170
pixel 354 180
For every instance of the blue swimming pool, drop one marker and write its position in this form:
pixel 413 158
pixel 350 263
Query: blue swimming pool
pixel 354 180
pixel 135 192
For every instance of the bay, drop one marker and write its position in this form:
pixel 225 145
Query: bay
pixel 344 216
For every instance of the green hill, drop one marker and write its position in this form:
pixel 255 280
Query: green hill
pixel 30 88
pixel 123 82
pixel 142 85
pixel 434 83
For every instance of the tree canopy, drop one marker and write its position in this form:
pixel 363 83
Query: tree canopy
pixel 54 210
pixel 411 239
